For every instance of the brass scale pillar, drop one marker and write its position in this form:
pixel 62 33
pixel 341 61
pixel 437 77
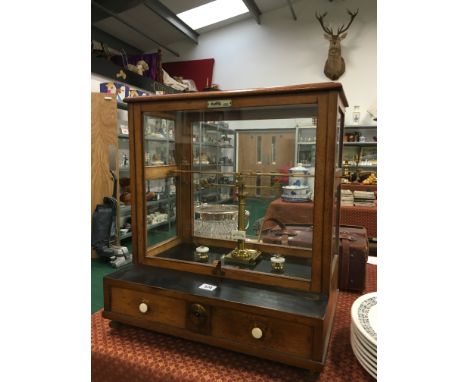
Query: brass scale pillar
pixel 241 255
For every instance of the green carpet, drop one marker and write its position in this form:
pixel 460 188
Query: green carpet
pixel 257 208
pixel 101 267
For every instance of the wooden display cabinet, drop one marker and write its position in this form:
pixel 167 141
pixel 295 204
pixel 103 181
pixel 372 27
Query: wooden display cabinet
pixel 249 307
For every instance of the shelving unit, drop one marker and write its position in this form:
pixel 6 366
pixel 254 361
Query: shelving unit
pixel 305 145
pixel 360 149
pixel 214 148
pixel 103 141
pixel 159 151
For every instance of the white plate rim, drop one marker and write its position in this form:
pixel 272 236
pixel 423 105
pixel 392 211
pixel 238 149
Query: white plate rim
pixel 294 199
pixel 368 362
pixel 363 363
pixel 372 360
pixel 359 311
pixel 363 340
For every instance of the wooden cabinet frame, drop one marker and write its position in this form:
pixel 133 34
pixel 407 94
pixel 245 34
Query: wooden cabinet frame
pixel 330 102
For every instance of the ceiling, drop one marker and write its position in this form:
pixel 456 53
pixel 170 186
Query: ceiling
pixel 148 25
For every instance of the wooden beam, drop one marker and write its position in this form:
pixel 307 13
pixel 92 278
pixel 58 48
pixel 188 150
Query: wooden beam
pixel 292 10
pixel 117 6
pixel 117 17
pixel 171 18
pixel 104 37
pixel 253 9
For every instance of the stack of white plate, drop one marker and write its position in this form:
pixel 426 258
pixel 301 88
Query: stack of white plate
pixel 364 331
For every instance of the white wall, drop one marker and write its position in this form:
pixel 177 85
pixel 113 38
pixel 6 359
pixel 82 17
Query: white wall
pixel 282 51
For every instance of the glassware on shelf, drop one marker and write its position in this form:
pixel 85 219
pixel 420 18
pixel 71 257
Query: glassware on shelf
pixel 356 115
pixel 217 220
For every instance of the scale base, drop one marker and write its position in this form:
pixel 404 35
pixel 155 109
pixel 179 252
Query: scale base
pixel 248 257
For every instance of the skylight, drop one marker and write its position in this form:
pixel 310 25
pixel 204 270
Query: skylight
pixel 213 12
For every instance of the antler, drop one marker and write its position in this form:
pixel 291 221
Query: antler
pixel 353 15
pixel 320 19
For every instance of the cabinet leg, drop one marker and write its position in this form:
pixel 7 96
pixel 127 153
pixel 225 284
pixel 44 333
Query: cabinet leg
pixel 115 324
pixel 311 376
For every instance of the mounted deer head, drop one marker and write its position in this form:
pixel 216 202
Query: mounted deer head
pixel 335 65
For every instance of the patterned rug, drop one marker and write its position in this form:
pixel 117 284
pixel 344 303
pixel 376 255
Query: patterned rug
pixel 132 355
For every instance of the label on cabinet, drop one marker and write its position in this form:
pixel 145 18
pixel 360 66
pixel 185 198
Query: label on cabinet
pixel 209 287
pixel 219 103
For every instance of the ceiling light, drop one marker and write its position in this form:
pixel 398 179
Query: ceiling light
pixel 213 12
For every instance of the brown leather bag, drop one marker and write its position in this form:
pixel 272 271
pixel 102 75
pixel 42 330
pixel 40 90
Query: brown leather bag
pixel 354 252
pixel 295 235
pixel 354 249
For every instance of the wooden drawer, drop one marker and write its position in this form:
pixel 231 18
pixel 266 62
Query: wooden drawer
pixel 162 309
pixel 278 335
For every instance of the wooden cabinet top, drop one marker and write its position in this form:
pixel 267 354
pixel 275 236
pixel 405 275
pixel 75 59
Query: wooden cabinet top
pixel 303 88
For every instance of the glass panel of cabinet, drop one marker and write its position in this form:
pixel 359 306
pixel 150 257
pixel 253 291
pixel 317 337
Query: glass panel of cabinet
pixel 159 141
pixel 124 210
pixel 159 151
pixel 306 143
pixel 214 157
pixel 239 182
pixel 160 210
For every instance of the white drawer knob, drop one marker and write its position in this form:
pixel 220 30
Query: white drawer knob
pixel 257 333
pixel 143 308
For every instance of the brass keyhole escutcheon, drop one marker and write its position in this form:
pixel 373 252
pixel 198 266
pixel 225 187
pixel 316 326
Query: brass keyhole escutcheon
pixel 198 314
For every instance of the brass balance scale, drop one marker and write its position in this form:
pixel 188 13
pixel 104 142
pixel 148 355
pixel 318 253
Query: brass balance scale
pixel 240 255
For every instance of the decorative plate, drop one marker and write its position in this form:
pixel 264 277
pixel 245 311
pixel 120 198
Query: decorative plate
pixel 364 363
pixel 364 316
pixel 371 349
pixel 369 354
pixel 295 200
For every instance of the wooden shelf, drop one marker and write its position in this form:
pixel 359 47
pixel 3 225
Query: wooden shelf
pixel 214 127
pixel 110 70
pixel 360 127
pixel 151 226
pixel 154 139
pixel 359 143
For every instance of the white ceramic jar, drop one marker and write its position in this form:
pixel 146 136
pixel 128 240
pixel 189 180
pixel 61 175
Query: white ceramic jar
pixel 298 180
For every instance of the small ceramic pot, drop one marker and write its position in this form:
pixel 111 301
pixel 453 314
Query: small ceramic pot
pixel 298 180
pixel 296 191
pixel 277 263
pixel 201 253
